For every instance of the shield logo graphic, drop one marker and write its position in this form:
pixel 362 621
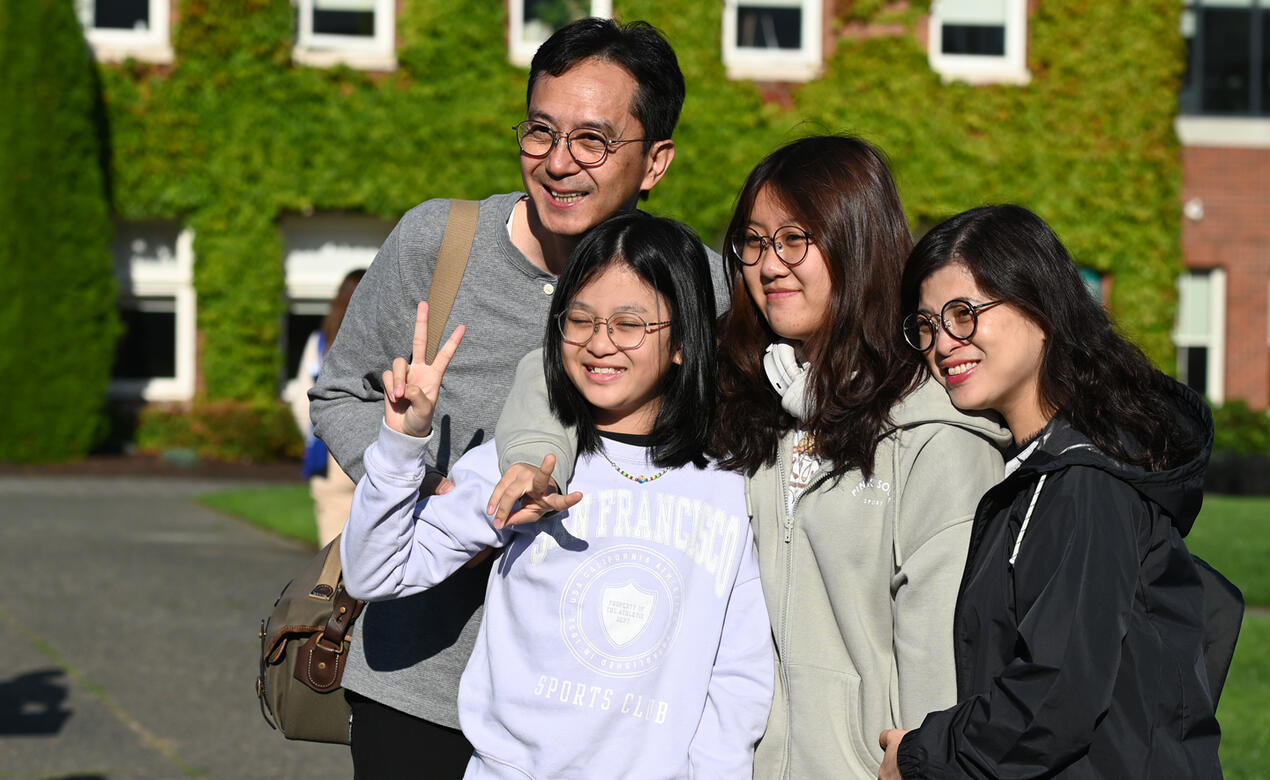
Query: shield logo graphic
pixel 625 611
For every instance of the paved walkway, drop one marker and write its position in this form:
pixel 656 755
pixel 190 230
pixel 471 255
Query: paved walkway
pixel 128 622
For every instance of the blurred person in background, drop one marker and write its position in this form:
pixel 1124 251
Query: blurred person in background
pixel 331 488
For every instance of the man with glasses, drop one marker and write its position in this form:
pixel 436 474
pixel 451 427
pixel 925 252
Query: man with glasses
pixel 603 101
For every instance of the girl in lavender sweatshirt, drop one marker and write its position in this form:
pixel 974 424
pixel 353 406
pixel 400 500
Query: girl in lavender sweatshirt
pixel 625 637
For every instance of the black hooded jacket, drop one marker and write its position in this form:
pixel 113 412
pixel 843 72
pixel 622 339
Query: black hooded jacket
pixel 1084 658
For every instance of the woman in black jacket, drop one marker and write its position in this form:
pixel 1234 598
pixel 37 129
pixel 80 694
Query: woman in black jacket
pixel 1079 628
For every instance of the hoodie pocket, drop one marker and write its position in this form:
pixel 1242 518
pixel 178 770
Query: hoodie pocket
pixel 827 736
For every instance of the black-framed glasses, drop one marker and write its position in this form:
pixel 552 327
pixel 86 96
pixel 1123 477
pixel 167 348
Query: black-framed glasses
pixel 959 318
pixel 789 243
pixel 626 330
pixel 588 146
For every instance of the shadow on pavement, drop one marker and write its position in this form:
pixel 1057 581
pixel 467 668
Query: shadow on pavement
pixel 34 703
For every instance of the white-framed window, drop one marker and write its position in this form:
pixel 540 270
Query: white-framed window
pixel 772 40
pixel 318 252
pixel 155 357
pixel 531 22
pixel 358 33
pixel 1200 332
pixel 979 41
pixel 1225 95
pixel 118 29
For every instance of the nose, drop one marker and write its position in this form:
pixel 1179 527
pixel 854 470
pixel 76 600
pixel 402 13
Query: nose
pixel 601 342
pixel 560 162
pixel 945 343
pixel 770 264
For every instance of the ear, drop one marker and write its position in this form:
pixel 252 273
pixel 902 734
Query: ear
pixel 656 162
pixel 678 357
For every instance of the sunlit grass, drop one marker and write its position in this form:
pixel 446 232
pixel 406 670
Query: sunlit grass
pixel 286 510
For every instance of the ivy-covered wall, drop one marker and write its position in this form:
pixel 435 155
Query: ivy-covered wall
pixel 232 136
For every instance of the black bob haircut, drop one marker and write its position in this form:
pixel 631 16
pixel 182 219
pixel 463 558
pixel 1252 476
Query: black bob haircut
pixel 670 258
pixel 639 49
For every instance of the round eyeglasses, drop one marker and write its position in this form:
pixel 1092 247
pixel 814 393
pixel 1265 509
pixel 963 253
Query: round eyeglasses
pixel 789 243
pixel 589 147
pixel 959 318
pixel 626 331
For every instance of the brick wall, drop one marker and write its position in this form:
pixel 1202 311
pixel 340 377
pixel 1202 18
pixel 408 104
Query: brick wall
pixel 1233 187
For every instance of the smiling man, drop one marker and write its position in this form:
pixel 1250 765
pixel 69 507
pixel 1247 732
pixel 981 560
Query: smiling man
pixel 602 103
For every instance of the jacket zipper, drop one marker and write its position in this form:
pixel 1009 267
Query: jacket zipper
pixel 783 505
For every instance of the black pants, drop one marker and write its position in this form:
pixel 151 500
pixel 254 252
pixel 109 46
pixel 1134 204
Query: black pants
pixel 391 745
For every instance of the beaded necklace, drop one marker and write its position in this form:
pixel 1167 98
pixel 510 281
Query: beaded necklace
pixel 641 479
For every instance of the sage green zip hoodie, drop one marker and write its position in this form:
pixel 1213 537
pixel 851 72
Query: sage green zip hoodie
pixel 860 581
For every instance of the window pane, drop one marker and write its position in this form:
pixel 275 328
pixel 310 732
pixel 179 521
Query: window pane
pixel 765 27
pixel 122 14
pixel 973 39
pixel 148 347
pixel 1227 38
pixel 1093 282
pixel 1264 108
pixel 344 17
pixel 296 332
pixel 1194 318
pixel 1192 364
pixel 554 14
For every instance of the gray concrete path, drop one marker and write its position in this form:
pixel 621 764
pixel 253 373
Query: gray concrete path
pixel 128 623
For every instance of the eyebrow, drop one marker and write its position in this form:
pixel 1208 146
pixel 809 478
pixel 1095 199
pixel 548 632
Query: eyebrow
pixel 602 125
pixel 634 308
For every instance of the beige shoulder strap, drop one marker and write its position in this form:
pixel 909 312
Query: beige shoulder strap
pixel 456 245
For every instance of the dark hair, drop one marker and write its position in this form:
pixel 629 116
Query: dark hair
pixel 639 49
pixel 1091 375
pixel 339 304
pixel 840 189
pixel 671 259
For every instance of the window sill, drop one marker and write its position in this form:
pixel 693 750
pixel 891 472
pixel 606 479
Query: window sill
pixel 361 60
pixel 1222 131
pixel 760 68
pixel 981 73
pixel 119 52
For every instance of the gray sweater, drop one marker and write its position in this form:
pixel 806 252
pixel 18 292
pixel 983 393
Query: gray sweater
pixel 409 653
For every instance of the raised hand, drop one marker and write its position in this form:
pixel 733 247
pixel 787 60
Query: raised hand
pixel 411 389
pixel 534 488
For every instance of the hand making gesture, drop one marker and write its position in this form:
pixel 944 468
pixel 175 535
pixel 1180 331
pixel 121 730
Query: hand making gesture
pixel 411 389
pixel 535 490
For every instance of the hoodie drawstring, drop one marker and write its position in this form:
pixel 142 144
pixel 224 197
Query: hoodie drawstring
pixel 1027 518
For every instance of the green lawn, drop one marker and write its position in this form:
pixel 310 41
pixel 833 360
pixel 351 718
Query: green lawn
pixel 1243 714
pixel 1232 533
pixel 286 510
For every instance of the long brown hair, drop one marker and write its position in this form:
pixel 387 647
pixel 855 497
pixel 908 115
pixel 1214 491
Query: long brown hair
pixel 840 189
pixel 339 305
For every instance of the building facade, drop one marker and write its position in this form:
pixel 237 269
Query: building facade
pixel 769 63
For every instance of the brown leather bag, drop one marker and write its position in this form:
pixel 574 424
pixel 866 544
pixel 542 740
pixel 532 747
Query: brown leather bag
pixel 304 644
pixel 305 640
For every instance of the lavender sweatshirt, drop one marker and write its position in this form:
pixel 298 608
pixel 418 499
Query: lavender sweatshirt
pixel 627 637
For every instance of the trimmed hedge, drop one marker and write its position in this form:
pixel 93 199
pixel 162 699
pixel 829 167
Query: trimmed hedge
pixel 58 323
pixel 226 430
pixel 233 136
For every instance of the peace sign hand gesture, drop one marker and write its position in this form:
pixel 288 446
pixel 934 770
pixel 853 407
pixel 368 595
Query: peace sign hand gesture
pixel 411 389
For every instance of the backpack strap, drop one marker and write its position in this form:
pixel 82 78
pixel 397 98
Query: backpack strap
pixel 456 245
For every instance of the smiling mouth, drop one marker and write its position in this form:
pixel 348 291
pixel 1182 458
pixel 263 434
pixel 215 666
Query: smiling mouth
pixel 566 197
pixel 605 370
pixel 960 368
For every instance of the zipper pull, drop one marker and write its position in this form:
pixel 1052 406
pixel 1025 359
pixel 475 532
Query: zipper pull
pixel 789 529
